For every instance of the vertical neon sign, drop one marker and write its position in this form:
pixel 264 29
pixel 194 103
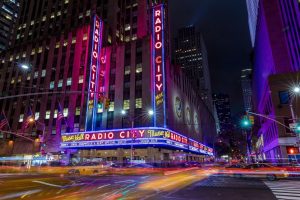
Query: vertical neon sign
pixel 96 44
pixel 158 65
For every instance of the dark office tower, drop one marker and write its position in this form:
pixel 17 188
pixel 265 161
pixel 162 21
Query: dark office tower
pixel 246 82
pixel 191 55
pixel 222 105
pixel 8 18
pixel 100 82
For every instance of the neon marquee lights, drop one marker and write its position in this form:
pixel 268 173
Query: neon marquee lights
pixel 158 65
pixel 96 47
pixel 95 73
pixel 150 136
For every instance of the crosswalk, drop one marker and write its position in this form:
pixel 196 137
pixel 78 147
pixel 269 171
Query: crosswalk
pixel 285 189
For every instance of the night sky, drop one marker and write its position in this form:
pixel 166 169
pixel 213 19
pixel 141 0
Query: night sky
pixel 224 25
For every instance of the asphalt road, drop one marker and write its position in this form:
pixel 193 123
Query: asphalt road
pixel 194 184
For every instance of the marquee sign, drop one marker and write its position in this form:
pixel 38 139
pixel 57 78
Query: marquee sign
pixel 124 137
pixel 158 65
pixel 95 73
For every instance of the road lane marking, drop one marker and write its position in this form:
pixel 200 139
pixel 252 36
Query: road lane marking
pixel 19 194
pixel 49 184
pixel 126 181
pixel 103 186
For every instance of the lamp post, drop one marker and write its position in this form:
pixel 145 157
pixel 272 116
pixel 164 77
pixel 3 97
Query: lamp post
pixel 295 91
pixel 132 119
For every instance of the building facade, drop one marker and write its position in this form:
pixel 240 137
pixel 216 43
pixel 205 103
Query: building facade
pixel 223 109
pixel 276 60
pixel 104 65
pixel 191 55
pixel 8 17
pixel 246 82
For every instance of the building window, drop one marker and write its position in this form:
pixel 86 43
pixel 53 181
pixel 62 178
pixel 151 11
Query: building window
pixel 60 83
pixel 47 114
pixel 127 70
pixel 139 68
pixel 126 104
pixel 43 73
pixel 77 111
pixel 111 107
pixel 66 111
pixel 284 97
pixel 69 81
pixel 138 103
pixel 21 118
pixel 36 115
pixel 36 74
pixel 51 85
pixel 80 79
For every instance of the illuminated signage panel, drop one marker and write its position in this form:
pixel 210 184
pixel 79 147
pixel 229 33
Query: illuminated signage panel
pixel 142 136
pixel 158 65
pixel 95 51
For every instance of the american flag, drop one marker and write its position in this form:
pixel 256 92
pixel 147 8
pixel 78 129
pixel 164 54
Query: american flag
pixel 3 121
pixel 60 114
pixel 28 120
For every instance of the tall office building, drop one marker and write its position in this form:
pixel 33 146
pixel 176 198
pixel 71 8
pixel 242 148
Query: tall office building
pixel 8 18
pixel 246 82
pixel 104 65
pixel 252 7
pixel 276 72
pixel 222 105
pixel 191 55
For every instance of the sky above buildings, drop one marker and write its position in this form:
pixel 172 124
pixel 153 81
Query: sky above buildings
pixel 224 26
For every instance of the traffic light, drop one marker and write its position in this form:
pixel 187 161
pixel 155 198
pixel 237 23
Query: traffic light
pixel 297 128
pixel 251 118
pixel 245 122
pixel 107 102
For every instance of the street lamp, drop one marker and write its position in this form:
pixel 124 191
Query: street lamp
pixel 150 112
pixel 24 66
pixel 296 89
pixel 131 119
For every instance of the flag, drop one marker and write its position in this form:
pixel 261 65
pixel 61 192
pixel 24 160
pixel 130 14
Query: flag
pixel 60 113
pixel 3 121
pixel 28 119
pixel 60 116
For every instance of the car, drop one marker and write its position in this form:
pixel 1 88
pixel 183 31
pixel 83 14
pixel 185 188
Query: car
pixel 258 170
pixel 235 166
pixel 74 172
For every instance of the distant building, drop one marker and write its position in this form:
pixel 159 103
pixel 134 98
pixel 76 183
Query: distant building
pixel 252 7
pixel 191 55
pixel 8 18
pixel 246 81
pixel 223 108
pixel 276 71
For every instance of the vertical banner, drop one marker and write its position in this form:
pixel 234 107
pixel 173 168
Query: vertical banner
pixel 95 51
pixel 158 65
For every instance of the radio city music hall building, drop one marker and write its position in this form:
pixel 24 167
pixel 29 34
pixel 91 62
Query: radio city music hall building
pixel 116 51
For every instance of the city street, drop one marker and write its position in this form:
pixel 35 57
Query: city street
pixel 194 184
